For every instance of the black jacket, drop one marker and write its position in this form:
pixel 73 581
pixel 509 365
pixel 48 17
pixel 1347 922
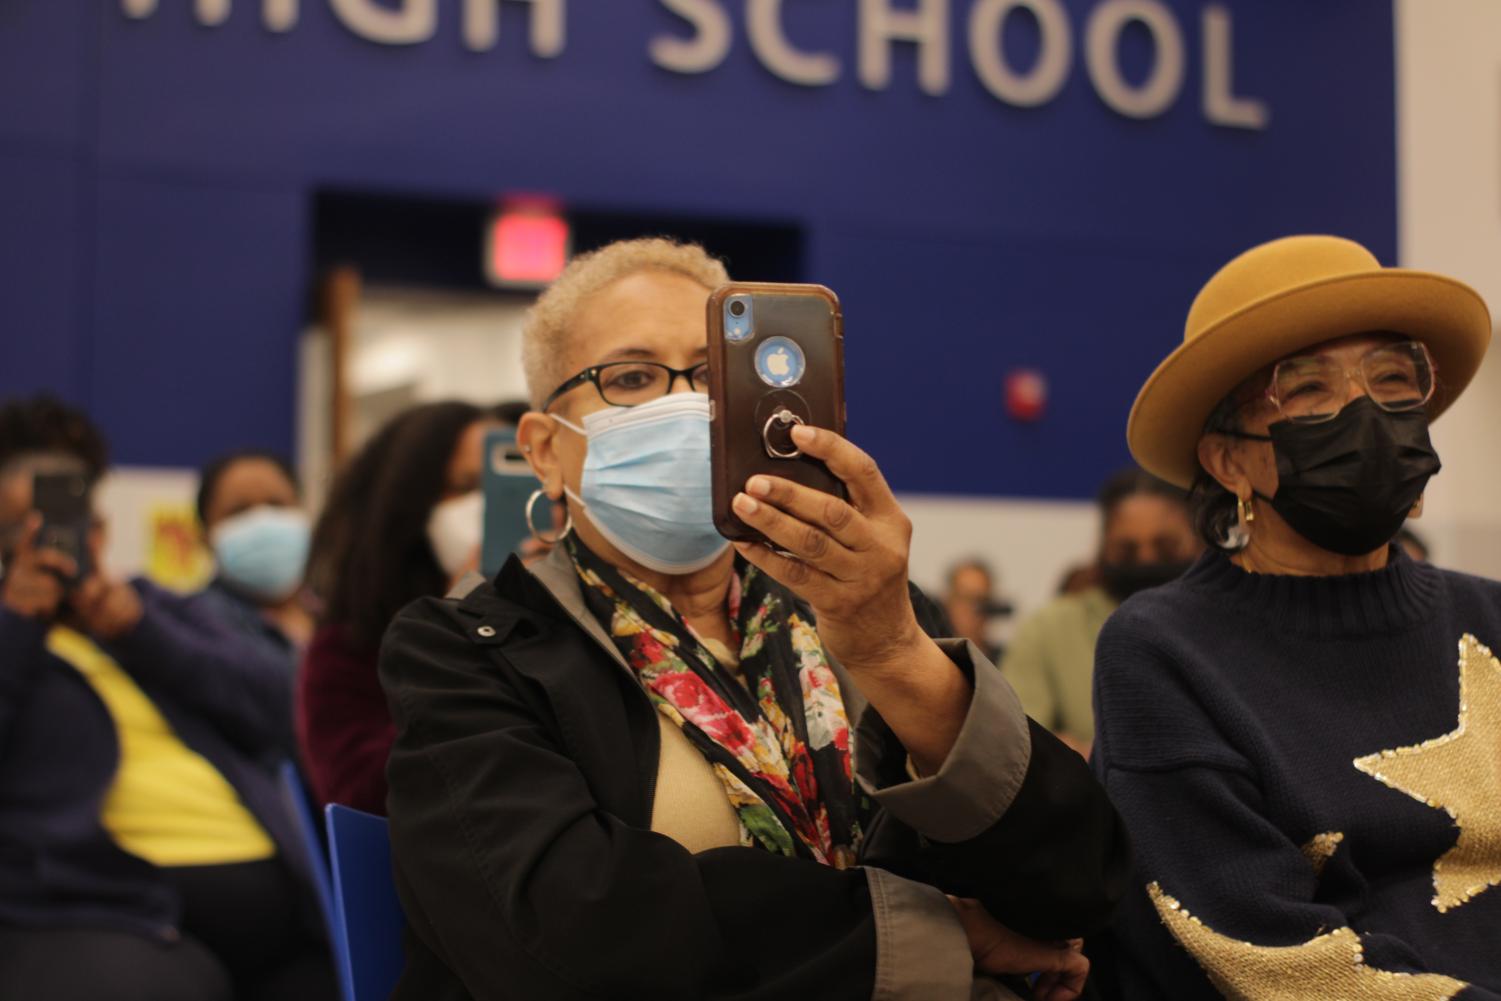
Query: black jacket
pixel 521 789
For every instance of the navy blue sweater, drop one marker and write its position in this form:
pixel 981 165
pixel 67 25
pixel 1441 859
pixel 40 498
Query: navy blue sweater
pixel 1277 747
pixel 59 752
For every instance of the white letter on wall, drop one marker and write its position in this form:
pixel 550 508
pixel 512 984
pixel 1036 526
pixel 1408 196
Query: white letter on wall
pixel 277 15
pixel 549 34
pixel 769 42
pixel 1102 35
pixel 928 26
pixel 985 51
pixel 701 53
pixel 414 22
pixel 212 12
pixel 1221 106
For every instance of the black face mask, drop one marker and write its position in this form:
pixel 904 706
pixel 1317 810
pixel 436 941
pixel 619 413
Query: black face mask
pixel 1347 484
pixel 1121 580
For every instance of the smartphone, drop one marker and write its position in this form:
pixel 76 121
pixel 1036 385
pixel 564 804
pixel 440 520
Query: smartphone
pixel 776 360
pixel 507 482
pixel 62 499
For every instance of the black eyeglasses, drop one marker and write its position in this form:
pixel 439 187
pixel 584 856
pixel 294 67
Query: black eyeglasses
pixel 628 383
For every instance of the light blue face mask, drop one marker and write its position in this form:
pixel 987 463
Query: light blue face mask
pixel 262 552
pixel 647 485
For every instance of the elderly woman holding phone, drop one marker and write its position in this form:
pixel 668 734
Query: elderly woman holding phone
pixel 1304 731
pixel 656 765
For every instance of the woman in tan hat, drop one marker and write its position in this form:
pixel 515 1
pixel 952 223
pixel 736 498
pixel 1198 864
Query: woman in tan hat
pixel 1304 732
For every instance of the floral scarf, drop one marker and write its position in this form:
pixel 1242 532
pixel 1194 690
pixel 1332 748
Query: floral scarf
pixel 780 741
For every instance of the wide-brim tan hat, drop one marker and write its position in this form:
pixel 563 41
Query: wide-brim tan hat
pixel 1283 297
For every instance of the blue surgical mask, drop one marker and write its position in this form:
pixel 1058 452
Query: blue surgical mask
pixel 262 552
pixel 647 485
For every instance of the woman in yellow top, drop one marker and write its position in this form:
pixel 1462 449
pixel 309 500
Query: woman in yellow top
pixel 144 853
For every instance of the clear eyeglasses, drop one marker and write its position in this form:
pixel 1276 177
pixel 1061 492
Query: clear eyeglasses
pixel 1307 389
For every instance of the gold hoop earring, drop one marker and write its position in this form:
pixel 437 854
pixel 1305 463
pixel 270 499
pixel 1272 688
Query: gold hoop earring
pixel 1246 511
pixel 1417 509
pixel 531 503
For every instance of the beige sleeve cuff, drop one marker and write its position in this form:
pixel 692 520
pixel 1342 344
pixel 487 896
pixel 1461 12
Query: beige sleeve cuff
pixel 922 952
pixel 984 770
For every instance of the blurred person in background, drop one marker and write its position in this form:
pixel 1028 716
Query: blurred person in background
pixel 250 509
pixel 1412 544
pixel 971 604
pixel 510 412
pixel 634 776
pixel 1146 539
pixel 403 521
pixel 145 853
pixel 1304 731
pixel 1079 577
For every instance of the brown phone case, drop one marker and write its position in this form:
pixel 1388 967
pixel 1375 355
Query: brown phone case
pixel 750 427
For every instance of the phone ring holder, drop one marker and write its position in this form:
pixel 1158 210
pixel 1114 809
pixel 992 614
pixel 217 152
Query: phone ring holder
pixel 782 419
pixel 531 503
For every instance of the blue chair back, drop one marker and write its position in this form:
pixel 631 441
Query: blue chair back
pixel 300 808
pixel 368 918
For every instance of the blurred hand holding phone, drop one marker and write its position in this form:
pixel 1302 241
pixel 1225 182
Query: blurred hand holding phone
pixel 53 569
pixel 33 583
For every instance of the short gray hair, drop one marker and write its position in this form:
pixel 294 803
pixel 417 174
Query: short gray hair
pixel 545 334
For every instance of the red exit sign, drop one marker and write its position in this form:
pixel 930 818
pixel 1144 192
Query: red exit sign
pixel 527 245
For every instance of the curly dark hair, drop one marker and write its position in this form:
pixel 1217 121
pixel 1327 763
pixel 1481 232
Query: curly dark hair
pixel 43 423
pixel 511 411
pixel 370 553
pixel 210 475
pixel 1129 483
pixel 1214 509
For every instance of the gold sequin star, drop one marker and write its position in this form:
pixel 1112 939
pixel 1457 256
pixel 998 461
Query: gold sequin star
pixel 1321 848
pixel 1459 773
pixel 1330 967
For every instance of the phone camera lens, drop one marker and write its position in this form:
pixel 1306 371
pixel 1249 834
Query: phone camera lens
pixel 737 308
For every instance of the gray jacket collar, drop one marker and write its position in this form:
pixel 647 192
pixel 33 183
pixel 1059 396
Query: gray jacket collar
pixel 557 573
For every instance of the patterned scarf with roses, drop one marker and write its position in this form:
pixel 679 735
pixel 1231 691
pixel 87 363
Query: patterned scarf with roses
pixel 779 739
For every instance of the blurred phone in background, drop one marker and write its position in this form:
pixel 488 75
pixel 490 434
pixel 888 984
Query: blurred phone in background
pixel 62 499
pixel 508 482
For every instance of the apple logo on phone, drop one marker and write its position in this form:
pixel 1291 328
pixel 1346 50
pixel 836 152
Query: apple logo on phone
pixel 780 362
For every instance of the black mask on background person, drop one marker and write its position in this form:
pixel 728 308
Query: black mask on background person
pixel 1347 484
pixel 1121 580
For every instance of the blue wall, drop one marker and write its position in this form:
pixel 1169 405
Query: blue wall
pixel 158 174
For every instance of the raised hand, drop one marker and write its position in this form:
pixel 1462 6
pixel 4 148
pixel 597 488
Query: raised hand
pixel 107 608
pixel 851 556
pixel 36 578
pixel 849 562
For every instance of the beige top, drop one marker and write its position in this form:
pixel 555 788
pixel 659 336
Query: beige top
pixel 691 806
